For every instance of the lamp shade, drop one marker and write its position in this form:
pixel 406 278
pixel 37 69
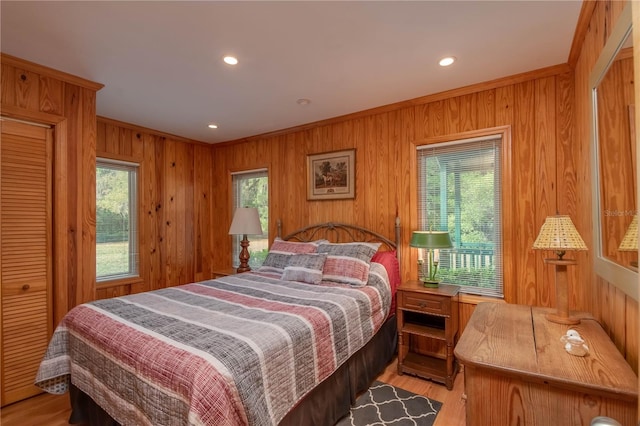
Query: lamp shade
pixel 246 221
pixel 559 233
pixel 431 239
pixel 630 240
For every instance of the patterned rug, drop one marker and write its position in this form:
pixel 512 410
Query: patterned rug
pixel 384 404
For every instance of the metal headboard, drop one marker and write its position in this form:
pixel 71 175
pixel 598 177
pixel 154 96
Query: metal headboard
pixel 341 232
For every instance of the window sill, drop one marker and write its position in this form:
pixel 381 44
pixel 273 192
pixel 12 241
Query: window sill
pixel 119 282
pixel 474 299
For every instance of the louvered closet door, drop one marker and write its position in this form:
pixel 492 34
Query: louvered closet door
pixel 25 253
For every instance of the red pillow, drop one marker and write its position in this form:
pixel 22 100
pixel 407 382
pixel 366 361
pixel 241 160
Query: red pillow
pixel 389 260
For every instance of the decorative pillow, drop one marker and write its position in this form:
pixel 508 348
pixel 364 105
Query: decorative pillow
pixel 348 263
pixel 389 260
pixel 280 252
pixel 306 268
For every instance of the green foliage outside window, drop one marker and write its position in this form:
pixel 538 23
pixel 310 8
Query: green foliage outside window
pixel 483 277
pixel 252 190
pixel 116 245
pixel 460 192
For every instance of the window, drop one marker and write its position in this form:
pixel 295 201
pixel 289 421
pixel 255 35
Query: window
pixel 459 190
pixel 251 189
pixel 116 220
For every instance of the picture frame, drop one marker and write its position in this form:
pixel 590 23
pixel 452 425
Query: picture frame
pixel 331 175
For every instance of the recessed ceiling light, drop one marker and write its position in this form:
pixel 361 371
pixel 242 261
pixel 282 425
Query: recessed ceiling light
pixel 231 60
pixel 446 61
pixel 303 101
pixel 213 126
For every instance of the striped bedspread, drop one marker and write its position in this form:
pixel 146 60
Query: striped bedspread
pixel 242 349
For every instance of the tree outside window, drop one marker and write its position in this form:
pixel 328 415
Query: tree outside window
pixel 251 189
pixel 116 220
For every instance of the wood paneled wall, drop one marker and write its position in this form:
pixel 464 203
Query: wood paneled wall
pixel 35 93
pixel 617 312
pixel 538 107
pixel 176 245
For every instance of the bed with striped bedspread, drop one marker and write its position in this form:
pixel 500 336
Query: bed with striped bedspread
pixel 242 349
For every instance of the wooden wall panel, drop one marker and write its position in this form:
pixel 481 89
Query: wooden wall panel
pixel 202 201
pixel 176 205
pixel 565 170
pixel 385 154
pixel 528 264
pixel 87 190
pixel 545 199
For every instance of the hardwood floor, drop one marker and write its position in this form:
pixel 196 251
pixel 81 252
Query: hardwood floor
pixel 54 410
pixel 41 410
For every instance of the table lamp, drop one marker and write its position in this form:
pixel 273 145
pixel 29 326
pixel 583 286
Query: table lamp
pixel 431 241
pixel 559 234
pixel 246 221
pixel 630 240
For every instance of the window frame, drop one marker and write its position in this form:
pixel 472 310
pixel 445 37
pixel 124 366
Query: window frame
pixel 134 274
pixel 507 228
pixel 235 239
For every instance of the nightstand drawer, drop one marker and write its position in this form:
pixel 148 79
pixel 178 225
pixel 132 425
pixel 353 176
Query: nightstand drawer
pixel 429 303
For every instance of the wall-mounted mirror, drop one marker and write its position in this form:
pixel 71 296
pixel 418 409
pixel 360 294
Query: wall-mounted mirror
pixel 614 160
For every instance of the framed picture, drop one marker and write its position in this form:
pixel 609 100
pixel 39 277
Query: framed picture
pixel 331 175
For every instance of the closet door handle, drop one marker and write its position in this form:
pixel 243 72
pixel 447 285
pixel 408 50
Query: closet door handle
pixel 26 287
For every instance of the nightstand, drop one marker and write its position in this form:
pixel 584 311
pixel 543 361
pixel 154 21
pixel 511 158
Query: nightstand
pixel 427 331
pixel 217 273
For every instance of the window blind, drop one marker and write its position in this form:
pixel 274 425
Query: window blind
pixel 460 191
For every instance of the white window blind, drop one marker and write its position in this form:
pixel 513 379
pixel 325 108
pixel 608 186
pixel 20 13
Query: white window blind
pixel 460 191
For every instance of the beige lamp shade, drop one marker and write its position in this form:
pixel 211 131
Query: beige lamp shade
pixel 246 221
pixel 630 240
pixel 558 233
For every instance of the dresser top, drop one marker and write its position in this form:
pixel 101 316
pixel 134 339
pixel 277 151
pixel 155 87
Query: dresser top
pixel 518 340
pixel 442 289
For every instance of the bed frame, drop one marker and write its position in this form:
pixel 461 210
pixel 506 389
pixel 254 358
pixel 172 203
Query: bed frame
pixel 332 399
pixel 341 232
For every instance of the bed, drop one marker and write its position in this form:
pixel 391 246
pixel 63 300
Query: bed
pixel 293 342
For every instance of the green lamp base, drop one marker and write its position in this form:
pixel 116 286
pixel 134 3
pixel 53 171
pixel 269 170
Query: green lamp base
pixel 431 284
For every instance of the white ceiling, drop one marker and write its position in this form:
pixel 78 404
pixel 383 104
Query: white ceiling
pixel 161 62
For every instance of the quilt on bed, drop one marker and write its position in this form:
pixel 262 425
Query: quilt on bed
pixel 242 349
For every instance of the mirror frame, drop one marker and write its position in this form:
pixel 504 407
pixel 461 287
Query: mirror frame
pixel 624 278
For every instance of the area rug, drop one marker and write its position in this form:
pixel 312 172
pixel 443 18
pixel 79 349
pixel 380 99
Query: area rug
pixel 384 404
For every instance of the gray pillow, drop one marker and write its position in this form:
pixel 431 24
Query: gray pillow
pixel 306 268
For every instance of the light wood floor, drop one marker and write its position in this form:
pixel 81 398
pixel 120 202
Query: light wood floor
pixel 54 410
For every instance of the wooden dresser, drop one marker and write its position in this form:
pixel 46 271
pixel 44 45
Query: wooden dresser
pixel 517 371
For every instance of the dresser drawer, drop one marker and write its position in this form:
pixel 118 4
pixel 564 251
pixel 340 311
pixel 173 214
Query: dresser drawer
pixel 429 303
